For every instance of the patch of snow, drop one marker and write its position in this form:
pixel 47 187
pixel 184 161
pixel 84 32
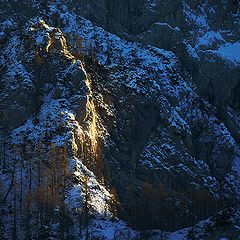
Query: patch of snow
pixel 192 52
pixel 167 25
pixel 15 66
pixel 208 38
pixel 152 4
pixel 105 229
pixel 40 39
pixel 99 195
pixel 199 19
pixel 230 51
pixel 178 235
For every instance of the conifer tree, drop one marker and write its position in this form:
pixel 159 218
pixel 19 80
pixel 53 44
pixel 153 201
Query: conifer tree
pixel 14 232
pixel 39 181
pixel 87 199
pixel 5 136
pixel 113 203
pixel 2 230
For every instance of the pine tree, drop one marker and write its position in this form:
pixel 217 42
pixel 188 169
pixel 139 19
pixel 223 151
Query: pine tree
pixel 2 229
pixel 53 174
pixel 114 203
pixel 29 150
pixel 64 164
pixel 21 181
pixel 39 181
pixel 65 221
pixel 28 214
pixel 5 136
pixel 14 232
pixel 87 199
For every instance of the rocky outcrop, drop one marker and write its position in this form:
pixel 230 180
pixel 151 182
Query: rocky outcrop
pixel 150 133
pixel 152 152
pixel 187 29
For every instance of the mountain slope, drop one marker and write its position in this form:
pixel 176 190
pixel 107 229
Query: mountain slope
pixel 98 129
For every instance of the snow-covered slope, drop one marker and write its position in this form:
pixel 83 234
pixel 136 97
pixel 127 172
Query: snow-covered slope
pixel 107 138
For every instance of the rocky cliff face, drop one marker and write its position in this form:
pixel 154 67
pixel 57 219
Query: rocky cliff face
pixel 119 113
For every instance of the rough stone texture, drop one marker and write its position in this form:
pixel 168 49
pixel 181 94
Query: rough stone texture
pixel 176 26
pixel 161 128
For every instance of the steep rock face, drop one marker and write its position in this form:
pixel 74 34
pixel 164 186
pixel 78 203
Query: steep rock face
pixel 158 145
pixel 128 113
pixel 49 141
pixel 199 33
pixel 136 117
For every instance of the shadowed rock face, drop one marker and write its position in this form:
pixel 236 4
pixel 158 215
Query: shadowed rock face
pixel 162 129
pixel 194 31
pixel 177 26
pixel 150 157
pixel 143 133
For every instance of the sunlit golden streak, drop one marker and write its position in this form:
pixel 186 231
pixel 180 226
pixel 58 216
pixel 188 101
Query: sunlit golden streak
pixel 91 115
